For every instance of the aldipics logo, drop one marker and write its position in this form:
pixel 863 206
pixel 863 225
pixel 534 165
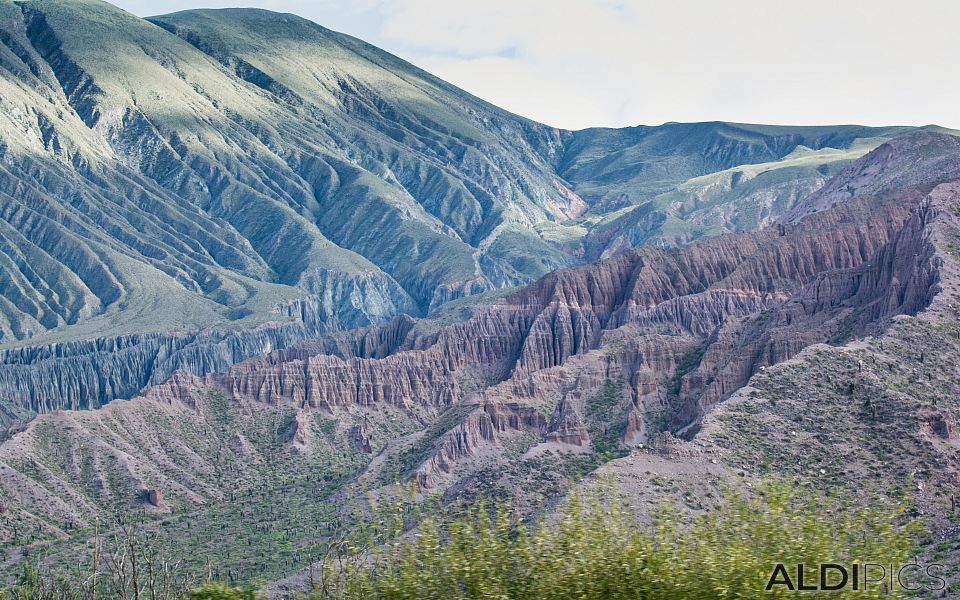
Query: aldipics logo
pixel 858 576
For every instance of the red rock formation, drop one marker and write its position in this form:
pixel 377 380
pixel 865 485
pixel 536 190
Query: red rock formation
pixel 892 269
pixel 300 433
pixel 483 426
pixel 940 425
pixel 361 439
pixel 715 311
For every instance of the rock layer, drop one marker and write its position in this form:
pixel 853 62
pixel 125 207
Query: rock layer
pixel 224 169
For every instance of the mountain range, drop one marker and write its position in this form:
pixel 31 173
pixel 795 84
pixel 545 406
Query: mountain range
pixel 209 172
pixel 244 256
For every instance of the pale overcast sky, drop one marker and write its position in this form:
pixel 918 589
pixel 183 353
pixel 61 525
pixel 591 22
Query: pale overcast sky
pixel 580 63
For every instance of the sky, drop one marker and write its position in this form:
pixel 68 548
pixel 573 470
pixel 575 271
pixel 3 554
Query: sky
pixel 584 63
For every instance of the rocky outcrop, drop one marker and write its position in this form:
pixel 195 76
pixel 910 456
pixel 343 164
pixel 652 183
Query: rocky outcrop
pixel 942 426
pixel 89 373
pixel 482 427
pixel 361 439
pixel 891 270
pixel 300 433
pixel 706 316
pixel 155 499
pixel 86 374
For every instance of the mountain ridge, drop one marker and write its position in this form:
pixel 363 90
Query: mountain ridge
pixel 203 187
pixel 93 91
pixel 258 278
pixel 556 378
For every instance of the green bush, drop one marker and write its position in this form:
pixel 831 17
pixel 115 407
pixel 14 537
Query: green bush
pixel 596 550
pixel 32 586
pixel 218 591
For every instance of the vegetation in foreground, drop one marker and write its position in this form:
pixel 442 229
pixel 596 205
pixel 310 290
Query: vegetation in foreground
pixel 592 549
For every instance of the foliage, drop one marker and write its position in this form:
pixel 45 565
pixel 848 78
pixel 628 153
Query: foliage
pixel 596 550
pixel 32 586
pixel 593 548
pixel 123 565
pixel 280 526
pixel 219 591
pixel 605 415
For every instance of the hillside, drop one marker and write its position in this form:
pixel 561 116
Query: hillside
pixel 585 369
pixel 192 190
pixel 260 279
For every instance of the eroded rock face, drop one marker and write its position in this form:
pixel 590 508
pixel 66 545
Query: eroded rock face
pixel 586 360
pixel 83 375
pixel 679 329
pixel 942 426
pixel 889 269
pixel 361 439
pixel 300 432
pixel 481 427
pixel 239 167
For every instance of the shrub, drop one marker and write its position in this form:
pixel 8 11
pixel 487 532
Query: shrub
pixel 596 550
pixel 219 591
pixel 592 549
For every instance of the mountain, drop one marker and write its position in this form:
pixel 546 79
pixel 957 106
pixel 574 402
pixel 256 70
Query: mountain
pixel 258 277
pixel 191 190
pixel 245 189
pixel 608 367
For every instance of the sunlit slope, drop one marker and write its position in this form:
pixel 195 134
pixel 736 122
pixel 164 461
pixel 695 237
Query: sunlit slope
pixel 642 161
pixel 459 166
pixel 190 167
pixel 240 166
pixel 654 187
pixel 82 232
pixel 92 224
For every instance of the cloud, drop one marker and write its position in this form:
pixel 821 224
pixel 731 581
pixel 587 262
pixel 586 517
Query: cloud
pixel 606 62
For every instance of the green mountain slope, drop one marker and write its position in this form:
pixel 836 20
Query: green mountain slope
pixel 672 184
pixel 227 160
pixel 232 185
pixel 198 188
